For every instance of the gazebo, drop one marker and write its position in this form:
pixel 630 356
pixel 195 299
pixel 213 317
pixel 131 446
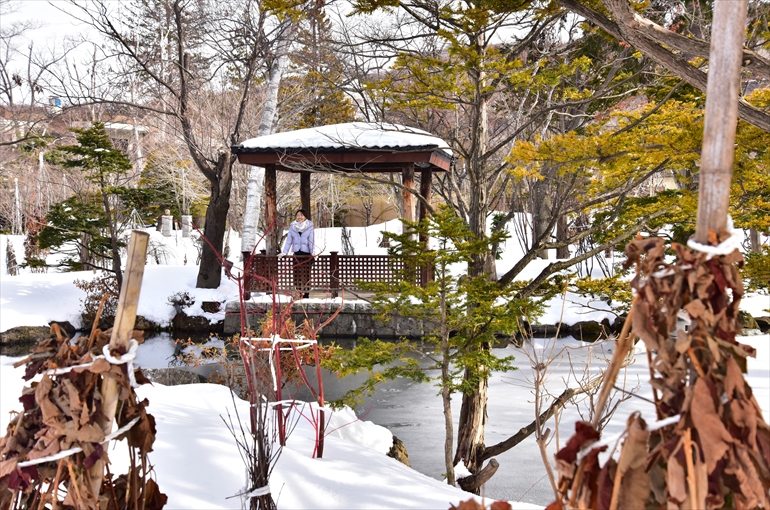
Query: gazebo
pixel 350 148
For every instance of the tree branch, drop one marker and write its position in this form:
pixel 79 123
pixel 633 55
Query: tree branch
pixel 525 432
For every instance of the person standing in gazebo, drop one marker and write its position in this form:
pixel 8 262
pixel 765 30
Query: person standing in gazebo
pixel 300 241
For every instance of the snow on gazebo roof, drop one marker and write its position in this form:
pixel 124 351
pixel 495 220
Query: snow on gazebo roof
pixel 356 136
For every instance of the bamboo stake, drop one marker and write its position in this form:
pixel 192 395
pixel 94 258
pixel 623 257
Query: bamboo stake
pixel 125 318
pixel 621 350
pixel 616 489
pixel 722 94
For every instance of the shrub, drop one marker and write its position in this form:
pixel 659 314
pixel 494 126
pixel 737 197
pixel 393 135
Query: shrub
pixel 103 285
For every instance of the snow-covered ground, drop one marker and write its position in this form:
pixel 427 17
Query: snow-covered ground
pixel 195 457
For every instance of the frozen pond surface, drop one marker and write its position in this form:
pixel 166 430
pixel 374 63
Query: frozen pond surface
pixel 413 411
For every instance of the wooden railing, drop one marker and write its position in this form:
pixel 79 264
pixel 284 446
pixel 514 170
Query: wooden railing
pixel 327 273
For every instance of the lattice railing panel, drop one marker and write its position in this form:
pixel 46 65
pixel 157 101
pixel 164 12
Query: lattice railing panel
pixel 351 269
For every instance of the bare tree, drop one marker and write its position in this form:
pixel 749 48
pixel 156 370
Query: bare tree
pixel 197 62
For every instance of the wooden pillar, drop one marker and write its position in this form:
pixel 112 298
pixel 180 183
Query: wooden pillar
pixel 407 199
pixel 334 269
pixel 304 192
pixel 271 215
pixel 722 92
pixel 426 176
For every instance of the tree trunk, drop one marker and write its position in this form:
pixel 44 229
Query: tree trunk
pixel 756 242
pixel 473 410
pixel 470 431
pixel 210 272
pixel 256 184
pixel 542 199
pixel 85 257
pixel 446 376
pixel 113 239
pixel 562 252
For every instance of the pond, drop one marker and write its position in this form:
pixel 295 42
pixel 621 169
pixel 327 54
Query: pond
pixel 413 411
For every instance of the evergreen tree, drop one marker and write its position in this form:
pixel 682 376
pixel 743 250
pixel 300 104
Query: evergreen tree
pixel 317 98
pixel 78 228
pixel 452 75
pixel 460 313
pixel 102 165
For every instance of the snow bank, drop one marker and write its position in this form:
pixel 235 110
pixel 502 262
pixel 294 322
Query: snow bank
pixel 198 466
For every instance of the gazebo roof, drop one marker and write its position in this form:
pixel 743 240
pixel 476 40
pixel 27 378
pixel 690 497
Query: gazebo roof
pixel 353 146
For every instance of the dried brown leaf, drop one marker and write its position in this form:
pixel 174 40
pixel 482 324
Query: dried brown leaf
pixel 156 500
pixel 556 505
pixel 585 434
pixel 696 309
pixel 100 366
pixel 7 467
pixel 635 484
pixel 658 483
pixel 141 435
pixel 676 479
pixel 634 452
pixel 141 378
pixel 752 485
pixel 713 437
pixel 51 413
pixel 591 470
pixel 644 325
pixel 75 404
pixel 605 485
pixel 90 433
pixel 97 453
pixel 470 504
pixel 44 447
pixel 634 488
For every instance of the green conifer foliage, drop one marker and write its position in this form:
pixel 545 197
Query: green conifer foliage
pixel 461 315
pixel 93 220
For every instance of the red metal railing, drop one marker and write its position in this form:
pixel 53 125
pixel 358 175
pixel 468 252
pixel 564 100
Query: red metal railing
pixel 327 273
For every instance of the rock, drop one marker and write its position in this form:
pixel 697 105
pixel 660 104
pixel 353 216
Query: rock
pixel 398 452
pixel 172 376
pixel 145 324
pixel 218 328
pixel 746 320
pixel 105 322
pixel 617 325
pixel 66 328
pixel 184 322
pixel 544 330
pixel 20 341
pixel 763 323
pixel 587 331
pixel 211 306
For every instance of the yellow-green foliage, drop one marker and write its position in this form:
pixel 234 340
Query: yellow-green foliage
pixel 613 290
pixel 750 190
pixel 624 146
pixel 756 271
pixel 460 314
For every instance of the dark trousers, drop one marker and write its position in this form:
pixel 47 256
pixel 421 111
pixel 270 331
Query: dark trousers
pixel 303 262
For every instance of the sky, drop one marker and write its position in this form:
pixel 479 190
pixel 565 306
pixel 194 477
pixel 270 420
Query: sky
pixel 195 458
